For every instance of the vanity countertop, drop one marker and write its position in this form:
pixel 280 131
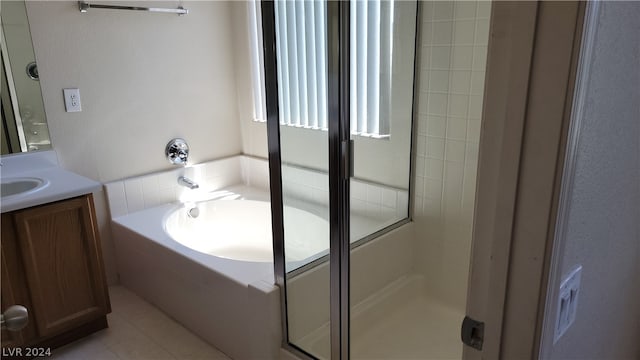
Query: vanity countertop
pixel 60 183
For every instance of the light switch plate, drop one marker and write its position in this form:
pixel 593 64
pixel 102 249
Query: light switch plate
pixel 72 100
pixel 567 302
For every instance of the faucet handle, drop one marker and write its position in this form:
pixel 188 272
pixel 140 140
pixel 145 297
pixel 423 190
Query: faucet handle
pixel 177 151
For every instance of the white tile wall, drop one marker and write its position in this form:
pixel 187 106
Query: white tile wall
pixel 255 172
pixel 368 199
pixel 138 193
pixel 141 192
pixel 453 51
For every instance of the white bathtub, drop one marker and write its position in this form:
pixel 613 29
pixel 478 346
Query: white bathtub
pixel 221 262
pixel 221 287
pixel 241 230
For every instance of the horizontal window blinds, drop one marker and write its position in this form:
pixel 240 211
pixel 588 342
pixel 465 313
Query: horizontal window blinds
pixel 301 50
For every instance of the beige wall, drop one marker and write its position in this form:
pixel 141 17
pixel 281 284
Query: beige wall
pixel 144 78
pixel 603 233
pixel 453 58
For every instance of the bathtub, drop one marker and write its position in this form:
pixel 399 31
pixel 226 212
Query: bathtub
pixel 221 287
pixel 240 229
pixel 220 259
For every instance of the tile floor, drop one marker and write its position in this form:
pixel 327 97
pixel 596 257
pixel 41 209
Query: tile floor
pixel 138 330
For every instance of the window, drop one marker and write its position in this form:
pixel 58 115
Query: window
pixel 301 50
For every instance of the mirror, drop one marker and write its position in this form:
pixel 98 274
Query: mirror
pixel 24 124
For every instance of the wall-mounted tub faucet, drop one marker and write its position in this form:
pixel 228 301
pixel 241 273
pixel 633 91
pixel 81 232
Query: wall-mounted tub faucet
pixel 177 151
pixel 184 181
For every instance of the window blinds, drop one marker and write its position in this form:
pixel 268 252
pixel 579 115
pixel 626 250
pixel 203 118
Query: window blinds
pixel 301 50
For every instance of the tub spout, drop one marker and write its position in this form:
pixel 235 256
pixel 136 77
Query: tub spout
pixel 185 181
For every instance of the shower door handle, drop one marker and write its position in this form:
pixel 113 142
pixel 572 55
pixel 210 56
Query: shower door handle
pixel 352 161
pixel 348 159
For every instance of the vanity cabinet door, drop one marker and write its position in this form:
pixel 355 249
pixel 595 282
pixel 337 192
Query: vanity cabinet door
pixel 63 264
pixel 14 284
pixel 9 338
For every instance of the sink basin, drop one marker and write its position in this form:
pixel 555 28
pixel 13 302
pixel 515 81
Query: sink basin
pixel 16 186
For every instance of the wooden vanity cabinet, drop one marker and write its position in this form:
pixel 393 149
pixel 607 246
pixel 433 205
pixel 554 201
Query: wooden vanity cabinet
pixel 52 264
pixel 13 283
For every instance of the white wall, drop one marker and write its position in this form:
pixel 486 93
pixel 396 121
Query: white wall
pixel 603 233
pixel 144 78
pixel 453 59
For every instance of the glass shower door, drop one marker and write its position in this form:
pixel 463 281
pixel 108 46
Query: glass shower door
pixel 409 288
pixel 381 182
pixel 339 81
pixel 298 84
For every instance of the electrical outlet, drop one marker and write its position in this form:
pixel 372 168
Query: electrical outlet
pixel 567 302
pixel 72 100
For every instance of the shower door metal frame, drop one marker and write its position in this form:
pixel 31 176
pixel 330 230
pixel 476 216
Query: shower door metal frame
pixel 339 170
pixel 275 163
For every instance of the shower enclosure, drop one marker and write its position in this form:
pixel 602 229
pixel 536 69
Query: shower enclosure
pixel 352 127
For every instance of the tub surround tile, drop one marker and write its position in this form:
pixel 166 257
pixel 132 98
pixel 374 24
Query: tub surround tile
pixel 147 191
pixel 389 198
pixel 403 204
pixel 221 173
pixel 255 172
pixel 359 206
pixel 134 195
pixel 374 194
pixel 367 199
pixel 150 184
pixel 117 198
pixel 155 189
pixel 166 179
pixel 359 191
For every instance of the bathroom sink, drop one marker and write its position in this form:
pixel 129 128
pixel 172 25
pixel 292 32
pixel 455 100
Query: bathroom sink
pixel 35 178
pixel 15 186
